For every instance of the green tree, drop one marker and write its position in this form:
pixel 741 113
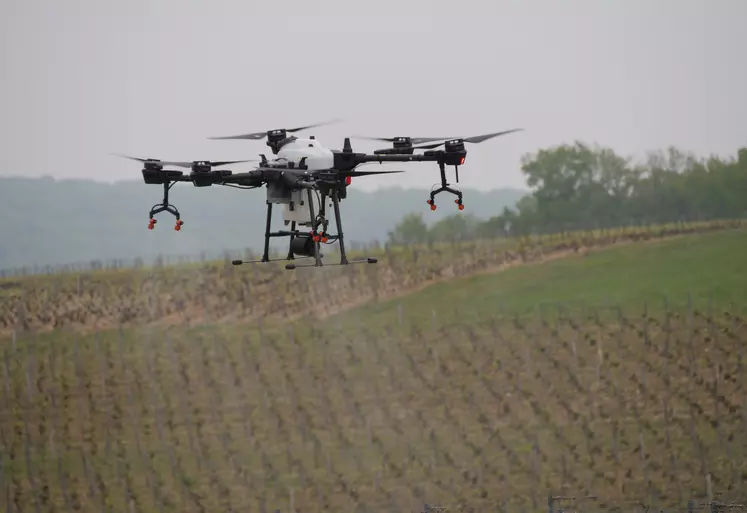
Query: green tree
pixel 454 228
pixel 563 182
pixel 582 186
pixel 503 225
pixel 410 230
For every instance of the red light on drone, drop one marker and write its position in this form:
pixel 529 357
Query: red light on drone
pixel 348 180
pixel 461 161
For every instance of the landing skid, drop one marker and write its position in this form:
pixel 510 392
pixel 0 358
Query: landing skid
pixel 290 267
pixel 308 245
pixel 260 261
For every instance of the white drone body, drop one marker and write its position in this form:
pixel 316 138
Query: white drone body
pixel 317 157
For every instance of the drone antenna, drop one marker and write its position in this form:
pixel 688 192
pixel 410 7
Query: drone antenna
pixel 346 147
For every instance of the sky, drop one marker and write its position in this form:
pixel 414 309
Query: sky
pixel 82 79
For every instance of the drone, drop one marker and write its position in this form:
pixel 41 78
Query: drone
pixel 303 171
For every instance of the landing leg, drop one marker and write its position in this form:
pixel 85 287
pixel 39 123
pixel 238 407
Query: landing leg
pixel 338 221
pixel 266 253
pixel 165 207
pixel 293 229
pixel 322 221
pixel 445 188
pixel 318 261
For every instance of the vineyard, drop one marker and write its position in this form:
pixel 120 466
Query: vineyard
pixel 450 396
pixel 219 291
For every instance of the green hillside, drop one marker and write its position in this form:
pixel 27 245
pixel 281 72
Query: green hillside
pixel 708 270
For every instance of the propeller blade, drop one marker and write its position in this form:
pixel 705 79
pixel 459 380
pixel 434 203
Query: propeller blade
pixel 418 140
pixel 366 173
pixel 227 162
pixel 134 158
pixel 156 161
pixel 480 138
pixel 474 139
pixel 177 164
pixel 255 136
pixel 413 140
pixel 428 146
pixel 186 164
pixel 323 123
pixel 366 138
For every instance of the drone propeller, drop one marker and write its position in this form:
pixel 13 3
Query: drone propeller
pixel 185 163
pixel 476 139
pixel 366 173
pixel 412 140
pixel 255 136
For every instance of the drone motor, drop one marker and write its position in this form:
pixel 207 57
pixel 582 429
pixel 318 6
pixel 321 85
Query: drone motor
pixel 203 175
pixel 158 176
pixel 400 146
pixel 276 139
pixel 455 153
pixel 154 174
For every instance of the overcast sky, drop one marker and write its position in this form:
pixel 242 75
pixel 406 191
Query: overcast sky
pixel 83 78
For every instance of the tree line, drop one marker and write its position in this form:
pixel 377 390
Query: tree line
pixel 583 186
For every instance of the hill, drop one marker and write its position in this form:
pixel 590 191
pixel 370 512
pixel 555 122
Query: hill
pixel 47 222
pixel 441 397
pixel 216 290
pixel 706 266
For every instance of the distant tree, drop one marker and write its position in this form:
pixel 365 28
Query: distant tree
pixel 410 230
pixel 503 225
pixel 581 186
pixel 454 228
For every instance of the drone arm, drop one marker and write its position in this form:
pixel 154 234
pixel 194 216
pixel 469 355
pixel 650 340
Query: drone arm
pixel 252 179
pixel 425 157
pixel 443 158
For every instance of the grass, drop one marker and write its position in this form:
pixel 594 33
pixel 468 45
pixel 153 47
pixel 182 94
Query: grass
pixel 459 404
pixel 703 268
